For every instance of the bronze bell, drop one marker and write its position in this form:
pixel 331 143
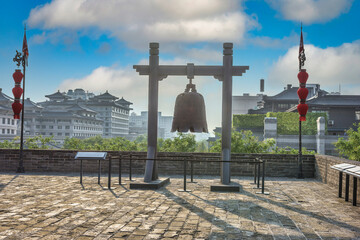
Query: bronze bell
pixel 189 112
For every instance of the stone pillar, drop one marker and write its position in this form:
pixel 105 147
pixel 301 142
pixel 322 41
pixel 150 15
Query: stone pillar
pixel 320 136
pixel 150 167
pixel 270 127
pixel 226 112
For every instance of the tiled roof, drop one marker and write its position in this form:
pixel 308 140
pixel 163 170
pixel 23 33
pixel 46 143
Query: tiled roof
pixel 57 95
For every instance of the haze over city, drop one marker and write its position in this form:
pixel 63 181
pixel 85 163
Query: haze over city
pixel 94 44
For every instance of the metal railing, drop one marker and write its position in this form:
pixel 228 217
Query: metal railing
pixel 259 165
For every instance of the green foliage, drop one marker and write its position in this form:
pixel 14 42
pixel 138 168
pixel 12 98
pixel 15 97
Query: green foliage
pixel 38 142
pixel 141 143
pixel 202 146
pixel 100 144
pixel 245 142
pixel 248 121
pixel 289 150
pixel 350 148
pixel 13 144
pixel 288 122
pixel 181 143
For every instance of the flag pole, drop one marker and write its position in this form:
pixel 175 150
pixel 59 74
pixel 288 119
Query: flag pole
pixel 22 58
pixel 300 162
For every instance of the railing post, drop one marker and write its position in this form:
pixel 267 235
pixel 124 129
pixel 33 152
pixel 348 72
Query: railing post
pixel 263 177
pixel 347 180
pixel 354 190
pixel 192 170
pixel 185 162
pixel 81 170
pixel 99 172
pixel 258 175
pixel 130 168
pixel 340 183
pixel 120 160
pixel 109 176
pixel 255 165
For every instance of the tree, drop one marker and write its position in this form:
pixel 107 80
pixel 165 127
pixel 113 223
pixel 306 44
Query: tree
pixel 13 144
pixel 181 143
pixel 350 148
pixel 245 142
pixel 39 142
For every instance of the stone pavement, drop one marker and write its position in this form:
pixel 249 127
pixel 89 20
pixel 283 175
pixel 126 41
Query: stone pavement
pixel 39 206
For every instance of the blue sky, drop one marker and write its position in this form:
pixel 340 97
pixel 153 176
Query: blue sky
pixel 93 44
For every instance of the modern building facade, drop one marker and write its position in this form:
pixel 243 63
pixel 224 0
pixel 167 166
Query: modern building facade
pixel 81 115
pixel 8 125
pixel 139 123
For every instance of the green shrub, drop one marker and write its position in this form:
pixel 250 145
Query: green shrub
pixel 350 148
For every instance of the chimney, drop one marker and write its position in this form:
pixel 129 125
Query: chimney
pixel 261 85
pixel 289 86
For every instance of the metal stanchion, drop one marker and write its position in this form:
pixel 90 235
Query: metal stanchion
pixel 130 167
pixel 255 165
pixel 257 175
pixel 185 166
pixel 99 172
pixel 192 170
pixel 263 179
pixel 340 184
pixel 354 191
pixel 109 176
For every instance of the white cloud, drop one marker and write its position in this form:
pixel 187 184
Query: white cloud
pixel 142 21
pixel 126 82
pixel 311 11
pixel 329 67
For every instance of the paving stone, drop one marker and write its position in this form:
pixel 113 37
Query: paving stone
pixel 40 206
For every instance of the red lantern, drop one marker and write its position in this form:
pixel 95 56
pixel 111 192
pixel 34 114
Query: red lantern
pixel 302 93
pixel 302 109
pixel 17 107
pixel 17 91
pixel 17 75
pixel 303 76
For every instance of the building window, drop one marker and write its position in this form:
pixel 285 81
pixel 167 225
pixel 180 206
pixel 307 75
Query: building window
pixel 12 131
pixel 51 127
pixel 8 131
pixel 59 134
pixel 67 127
pixel 12 122
pixel 9 121
pixel 3 121
pixel 59 127
pixel 3 131
pixel 357 115
pixel 67 134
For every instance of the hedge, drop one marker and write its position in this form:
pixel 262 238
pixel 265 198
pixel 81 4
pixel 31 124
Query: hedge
pixel 288 122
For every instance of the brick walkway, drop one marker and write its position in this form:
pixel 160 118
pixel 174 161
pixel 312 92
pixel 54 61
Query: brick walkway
pixel 57 207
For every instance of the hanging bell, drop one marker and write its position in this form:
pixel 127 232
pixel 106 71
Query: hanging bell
pixel 189 112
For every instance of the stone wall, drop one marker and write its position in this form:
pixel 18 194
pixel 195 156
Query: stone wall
pixel 330 176
pixel 63 161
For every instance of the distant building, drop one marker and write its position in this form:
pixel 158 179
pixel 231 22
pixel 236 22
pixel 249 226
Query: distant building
pixel 342 111
pixel 284 100
pixel 242 104
pixel 114 113
pixel 8 125
pixel 79 93
pixel 139 123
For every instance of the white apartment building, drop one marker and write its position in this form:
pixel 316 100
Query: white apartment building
pixel 8 125
pixel 139 123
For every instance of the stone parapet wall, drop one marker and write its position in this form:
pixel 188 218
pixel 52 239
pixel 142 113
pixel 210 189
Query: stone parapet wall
pixel 331 176
pixel 63 161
